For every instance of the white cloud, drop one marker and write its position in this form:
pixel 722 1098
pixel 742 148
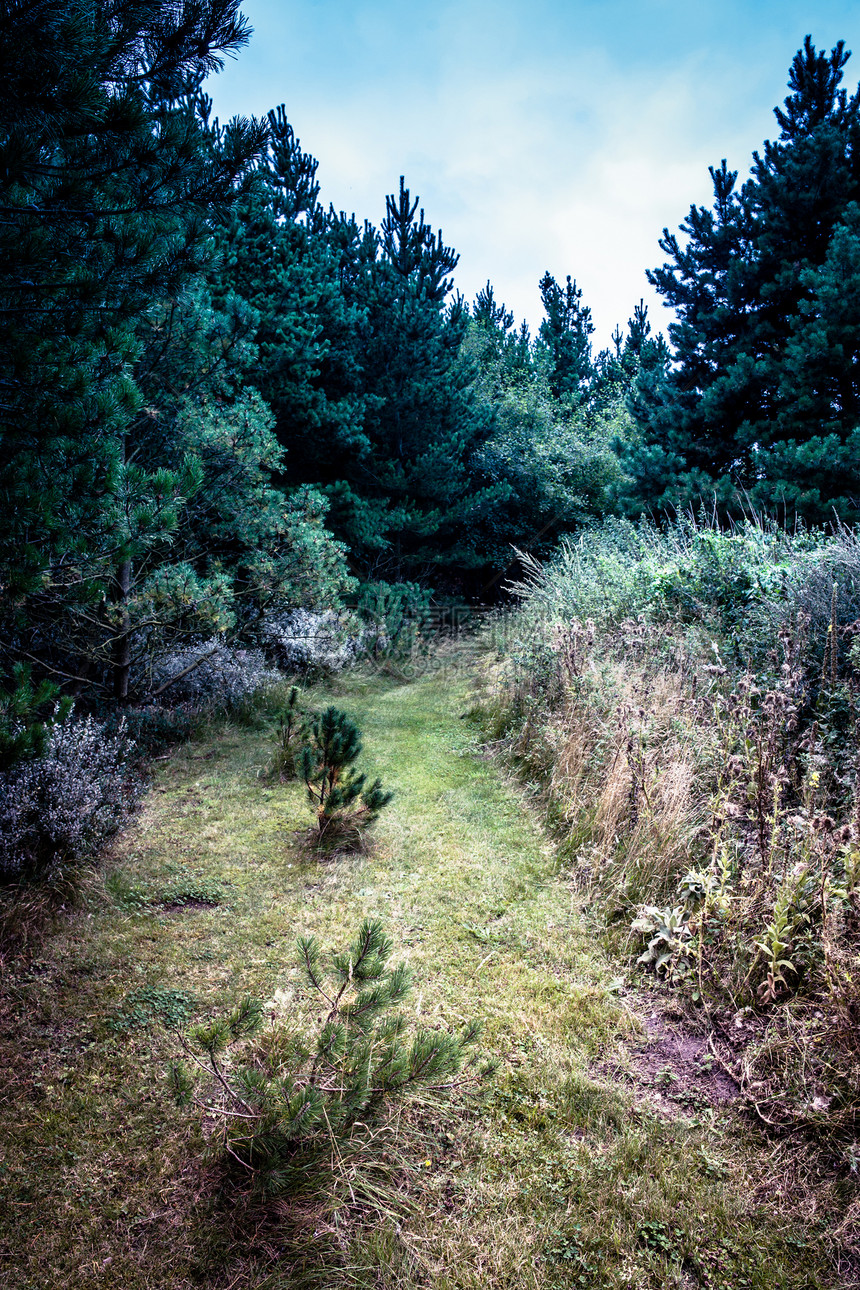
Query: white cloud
pixel 531 147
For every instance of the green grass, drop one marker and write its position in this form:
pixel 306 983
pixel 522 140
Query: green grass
pixel 558 1175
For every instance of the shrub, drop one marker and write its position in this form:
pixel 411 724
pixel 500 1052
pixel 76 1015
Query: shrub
pixel 690 699
pixel 396 614
pixel 154 728
pixel 343 800
pixel 210 674
pixel 303 640
pixel 283 1098
pixel 62 806
pixel 292 730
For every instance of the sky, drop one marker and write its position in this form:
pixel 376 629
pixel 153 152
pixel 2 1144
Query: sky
pixel 558 135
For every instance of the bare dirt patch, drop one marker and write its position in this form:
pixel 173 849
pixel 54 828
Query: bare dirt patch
pixel 671 1069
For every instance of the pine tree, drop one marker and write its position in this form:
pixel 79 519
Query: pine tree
pixel 109 173
pixel 411 503
pixel 284 1103
pixel 341 796
pixel 566 334
pixel 758 398
pixel 552 453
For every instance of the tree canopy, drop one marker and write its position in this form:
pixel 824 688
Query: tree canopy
pixel 759 402
pixel 221 398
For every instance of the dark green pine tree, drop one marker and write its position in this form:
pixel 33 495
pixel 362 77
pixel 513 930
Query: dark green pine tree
pixel 290 261
pixel 411 504
pixel 745 408
pixel 565 333
pixel 489 314
pixel 339 793
pixel 107 180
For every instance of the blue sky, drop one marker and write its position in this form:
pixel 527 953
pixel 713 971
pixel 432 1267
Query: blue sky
pixel 539 134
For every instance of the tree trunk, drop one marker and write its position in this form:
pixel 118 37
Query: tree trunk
pixel 122 648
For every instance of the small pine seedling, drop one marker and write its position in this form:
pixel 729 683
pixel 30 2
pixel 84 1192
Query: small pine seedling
pixel 292 728
pixel 282 1098
pixel 343 799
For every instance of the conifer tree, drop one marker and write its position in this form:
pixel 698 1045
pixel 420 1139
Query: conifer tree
pixel 552 453
pixel 758 398
pixel 283 1104
pixel 566 333
pixel 335 788
pixel 109 174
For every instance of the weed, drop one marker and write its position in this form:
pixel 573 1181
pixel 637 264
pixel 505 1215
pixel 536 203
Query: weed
pixel 687 700
pixel 667 935
pixel 150 1005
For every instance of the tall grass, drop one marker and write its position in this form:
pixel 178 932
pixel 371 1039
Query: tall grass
pixel 688 700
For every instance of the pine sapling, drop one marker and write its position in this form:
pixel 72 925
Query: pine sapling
pixel 284 1095
pixel 343 799
pixel 292 727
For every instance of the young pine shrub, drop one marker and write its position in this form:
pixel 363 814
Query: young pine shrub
pixel 284 1094
pixel 345 803
pixel 291 731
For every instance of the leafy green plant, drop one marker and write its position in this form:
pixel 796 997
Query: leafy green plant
pixel 343 799
pixel 696 886
pixel 666 932
pixel 776 942
pixel 282 1097
pixel 151 1004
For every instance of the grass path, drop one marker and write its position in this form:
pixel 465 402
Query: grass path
pixel 566 1174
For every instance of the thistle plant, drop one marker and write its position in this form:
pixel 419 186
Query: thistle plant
pixel 282 1094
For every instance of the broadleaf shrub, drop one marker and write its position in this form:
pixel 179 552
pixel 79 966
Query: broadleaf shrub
pixel 209 674
pixel 304 640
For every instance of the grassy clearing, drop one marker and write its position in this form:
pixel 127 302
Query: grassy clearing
pixel 580 1165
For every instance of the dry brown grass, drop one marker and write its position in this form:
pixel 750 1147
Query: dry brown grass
pixel 620 752
pixel 657 775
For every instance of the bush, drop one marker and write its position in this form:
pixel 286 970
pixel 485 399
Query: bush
pixel 282 1100
pixel 292 731
pixel 302 640
pixel 153 728
pixel 210 674
pixel 62 806
pixel 343 799
pixel 690 699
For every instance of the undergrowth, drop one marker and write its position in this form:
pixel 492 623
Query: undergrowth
pixel 687 702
